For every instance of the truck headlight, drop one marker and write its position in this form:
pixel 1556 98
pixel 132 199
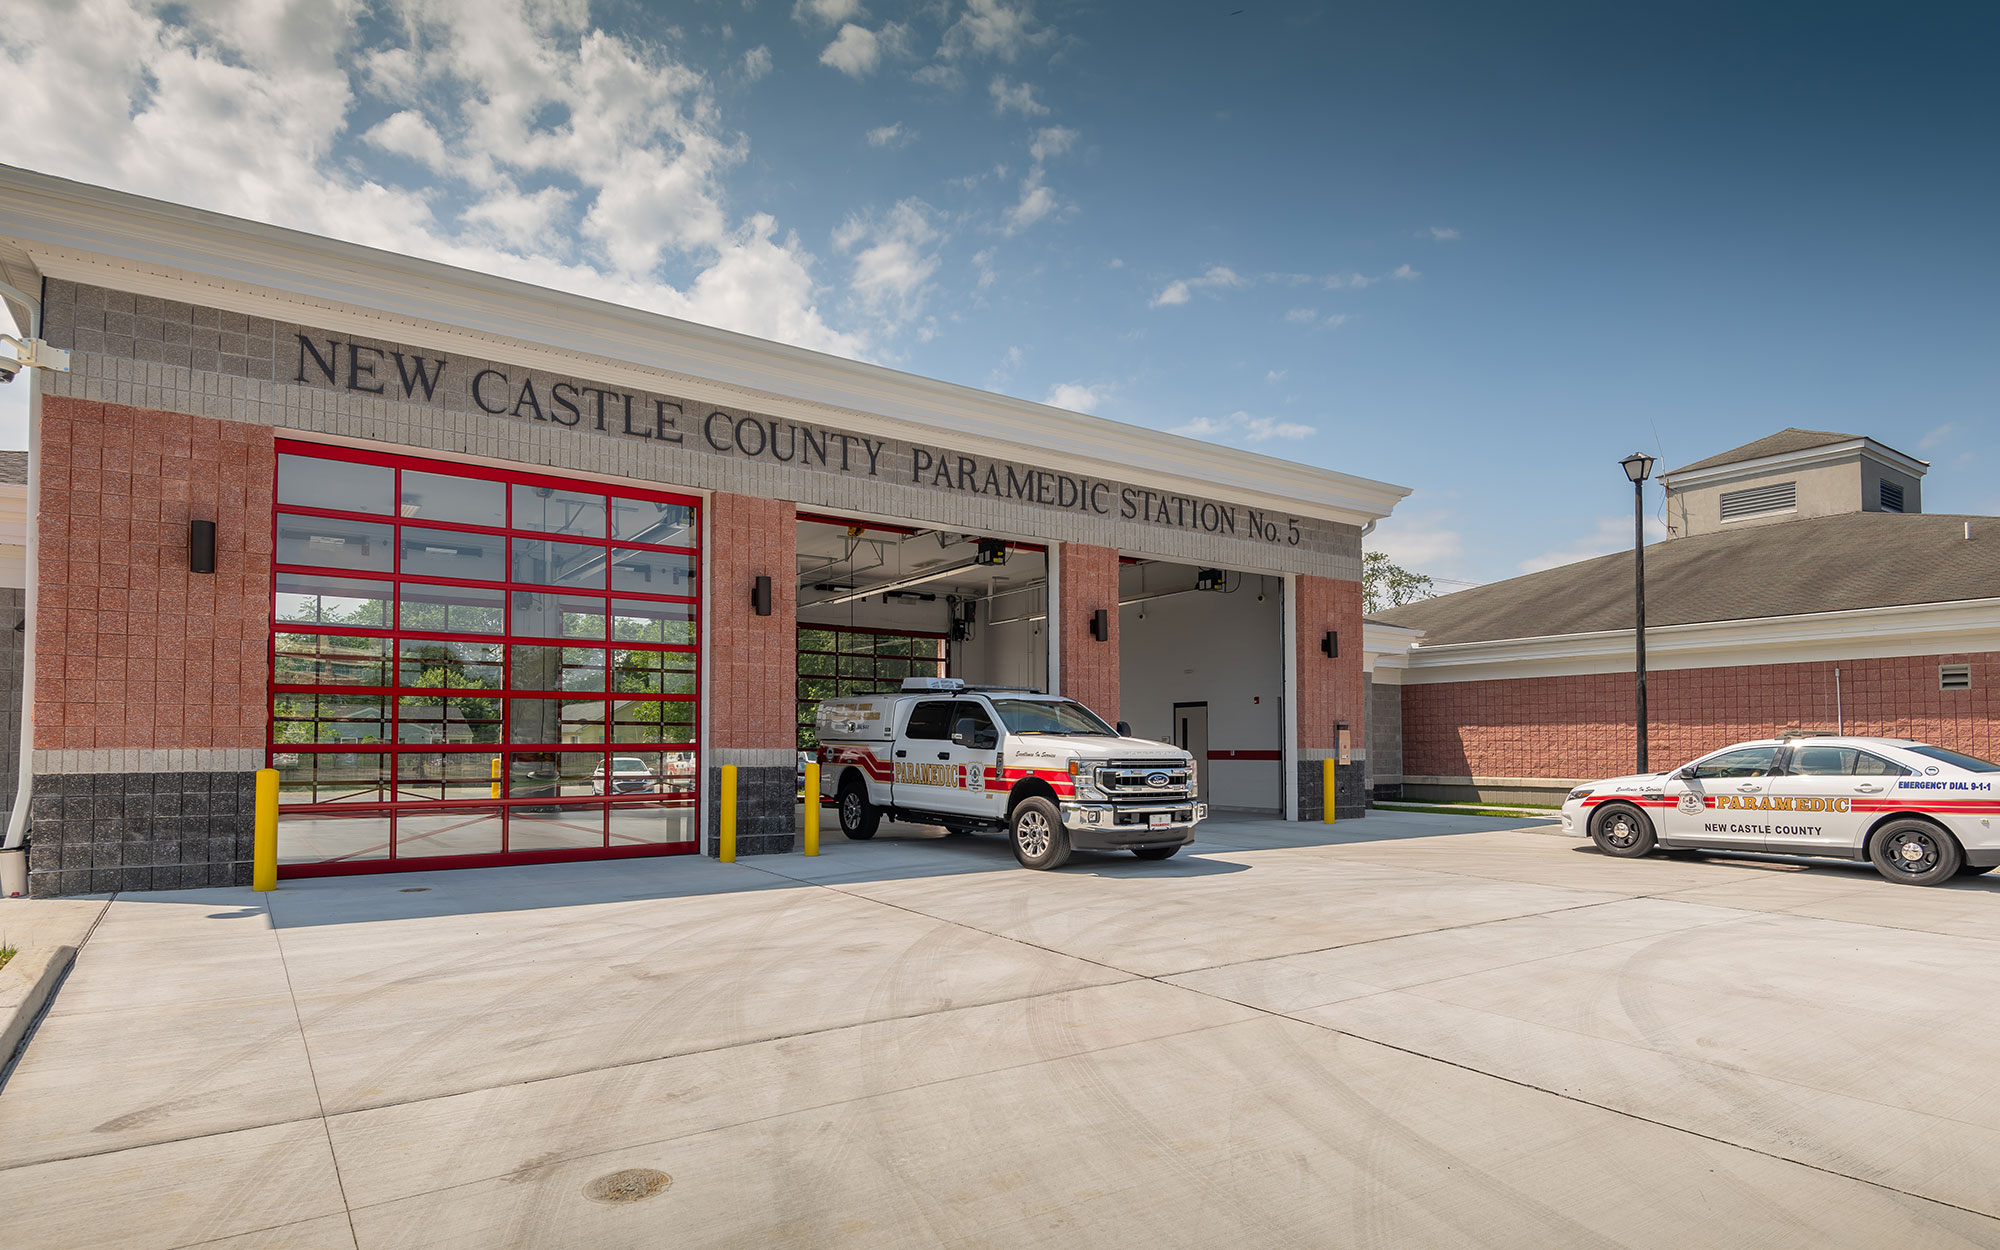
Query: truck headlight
pixel 1084 777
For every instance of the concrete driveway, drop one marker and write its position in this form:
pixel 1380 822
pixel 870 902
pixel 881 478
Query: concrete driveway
pixel 1410 1031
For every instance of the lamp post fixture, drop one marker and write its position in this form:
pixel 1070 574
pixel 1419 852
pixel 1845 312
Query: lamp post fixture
pixel 1639 467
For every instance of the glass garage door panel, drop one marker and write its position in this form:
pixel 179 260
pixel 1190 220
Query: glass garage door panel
pixel 473 667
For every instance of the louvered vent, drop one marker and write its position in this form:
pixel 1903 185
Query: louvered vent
pixel 1742 503
pixel 1954 677
pixel 1892 497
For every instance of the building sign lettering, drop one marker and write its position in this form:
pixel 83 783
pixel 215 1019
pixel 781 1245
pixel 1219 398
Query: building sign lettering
pixel 405 375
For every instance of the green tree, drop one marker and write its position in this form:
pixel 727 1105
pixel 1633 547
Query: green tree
pixel 1386 584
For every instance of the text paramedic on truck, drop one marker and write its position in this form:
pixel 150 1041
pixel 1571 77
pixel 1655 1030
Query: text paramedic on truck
pixel 1043 768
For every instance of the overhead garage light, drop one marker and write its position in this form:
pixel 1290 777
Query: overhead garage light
pixel 991 551
pixel 901 583
pixel 1208 579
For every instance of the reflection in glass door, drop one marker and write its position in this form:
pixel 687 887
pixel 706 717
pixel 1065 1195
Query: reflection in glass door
pixel 472 667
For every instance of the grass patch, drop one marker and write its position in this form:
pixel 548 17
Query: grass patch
pixel 6 953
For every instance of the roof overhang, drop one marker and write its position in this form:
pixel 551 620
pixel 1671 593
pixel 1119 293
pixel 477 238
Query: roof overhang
pixel 1809 458
pixel 77 232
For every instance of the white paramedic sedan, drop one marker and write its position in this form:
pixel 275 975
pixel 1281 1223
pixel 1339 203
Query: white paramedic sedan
pixel 1920 813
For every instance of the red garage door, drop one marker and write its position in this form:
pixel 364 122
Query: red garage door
pixel 473 667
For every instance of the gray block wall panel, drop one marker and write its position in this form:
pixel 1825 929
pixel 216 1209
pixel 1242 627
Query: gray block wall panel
pixel 96 832
pixel 767 816
pixel 1350 791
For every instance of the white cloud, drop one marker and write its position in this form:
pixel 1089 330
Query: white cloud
pixel 1078 397
pixel 1938 437
pixel 1361 281
pixel 1052 141
pixel 994 28
pixel 1004 371
pixel 1301 315
pixel 1421 540
pixel 1443 234
pixel 1036 202
pixel 1018 97
pixel 894 135
pixel 1403 273
pixel 856 51
pixel 983 261
pixel 828 12
pixel 1612 534
pixel 1275 375
pixel 1334 321
pixel 1178 291
pixel 756 63
pixel 892 273
pixel 1114 263
pixel 587 162
pixel 1244 428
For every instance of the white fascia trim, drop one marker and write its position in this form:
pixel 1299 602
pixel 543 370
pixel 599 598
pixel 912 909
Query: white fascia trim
pixel 1960 626
pixel 1387 646
pixel 82 233
pixel 1810 458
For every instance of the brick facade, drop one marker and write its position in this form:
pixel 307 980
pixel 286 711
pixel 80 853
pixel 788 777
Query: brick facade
pixel 136 654
pixel 1089 667
pixel 750 708
pixel 1581 727
pixel 1330 691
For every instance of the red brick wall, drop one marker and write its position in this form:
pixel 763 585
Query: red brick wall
pixel 1329 690
pixel 1581 727
pixel 1089 667
pixel 752 659
pixel 132 650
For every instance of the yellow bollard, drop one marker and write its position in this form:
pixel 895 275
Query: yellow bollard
pixel 728 848
pixel 264 853
pixel 812 809
pixel 1326 786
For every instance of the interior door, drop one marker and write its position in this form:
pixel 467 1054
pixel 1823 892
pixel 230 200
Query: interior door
pixel 1191 735
pixel 1815 799
pixel 1720 802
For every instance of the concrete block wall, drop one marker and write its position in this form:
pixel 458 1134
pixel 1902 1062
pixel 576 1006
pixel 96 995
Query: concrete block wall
pixel 13 657
pixel 1385 739
pixel 1089 668
pixel 750 708
pixel 1581 727
pixel 144 670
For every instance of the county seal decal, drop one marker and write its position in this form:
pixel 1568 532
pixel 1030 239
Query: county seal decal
pixel 1691 803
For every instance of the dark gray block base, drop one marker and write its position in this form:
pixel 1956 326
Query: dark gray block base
pixel 93 833
pixel 767 817
pixel 1350 791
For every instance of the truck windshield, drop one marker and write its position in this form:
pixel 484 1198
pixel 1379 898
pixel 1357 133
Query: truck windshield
pixel 1045 716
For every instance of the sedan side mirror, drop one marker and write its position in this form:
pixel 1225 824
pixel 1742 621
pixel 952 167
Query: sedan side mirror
pixel 1124 729
pixel 1686 772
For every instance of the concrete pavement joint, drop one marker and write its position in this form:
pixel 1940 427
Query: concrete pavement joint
pixel 55 991
pixel 277 936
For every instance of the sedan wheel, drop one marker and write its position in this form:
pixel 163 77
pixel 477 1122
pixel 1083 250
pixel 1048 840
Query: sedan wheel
pixel 1914 852
pixel 1621 829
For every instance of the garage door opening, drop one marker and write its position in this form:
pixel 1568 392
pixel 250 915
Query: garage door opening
pixel 1201 665
pixel 879 603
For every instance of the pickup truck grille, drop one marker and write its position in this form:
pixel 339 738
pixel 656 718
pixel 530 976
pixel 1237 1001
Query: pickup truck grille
pixel 1134 779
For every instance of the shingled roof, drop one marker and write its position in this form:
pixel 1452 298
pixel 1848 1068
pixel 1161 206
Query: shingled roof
pixel 1779 444
pixel 1819 564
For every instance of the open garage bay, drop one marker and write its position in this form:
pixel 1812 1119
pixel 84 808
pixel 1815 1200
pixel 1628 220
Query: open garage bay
pixel 1406 1031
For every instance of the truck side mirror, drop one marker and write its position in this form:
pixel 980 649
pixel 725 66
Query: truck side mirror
pixel 1124 729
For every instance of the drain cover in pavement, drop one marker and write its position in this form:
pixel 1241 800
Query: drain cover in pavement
pixel 630 1185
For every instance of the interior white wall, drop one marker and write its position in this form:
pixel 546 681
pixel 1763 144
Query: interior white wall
pixel 1222 649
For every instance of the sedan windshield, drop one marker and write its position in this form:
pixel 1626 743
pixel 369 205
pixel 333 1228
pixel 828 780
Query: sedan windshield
pixel 1046 716
pixel 1969 763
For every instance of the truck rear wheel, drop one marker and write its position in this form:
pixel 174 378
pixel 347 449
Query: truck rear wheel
pixel 858 817
pixel 1036 829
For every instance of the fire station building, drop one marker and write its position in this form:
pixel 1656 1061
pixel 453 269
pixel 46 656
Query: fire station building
pixel 491 573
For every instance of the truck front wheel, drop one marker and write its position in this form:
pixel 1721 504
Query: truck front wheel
pixel 1036 827
pixel 858 817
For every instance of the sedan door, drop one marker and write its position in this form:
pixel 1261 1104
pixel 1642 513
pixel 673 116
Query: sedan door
pixel 1814 800
pixel 1717 801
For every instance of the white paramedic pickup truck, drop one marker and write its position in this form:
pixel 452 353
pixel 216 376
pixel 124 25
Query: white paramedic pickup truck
pixel 1044 769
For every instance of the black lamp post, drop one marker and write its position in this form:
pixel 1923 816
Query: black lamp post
pixel 1639 467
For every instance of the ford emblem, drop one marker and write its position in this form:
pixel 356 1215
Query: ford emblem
pixel 1158 780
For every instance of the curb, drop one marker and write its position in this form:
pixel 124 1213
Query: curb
pixel 25 985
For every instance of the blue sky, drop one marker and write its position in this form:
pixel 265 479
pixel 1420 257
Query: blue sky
pixel 1480 250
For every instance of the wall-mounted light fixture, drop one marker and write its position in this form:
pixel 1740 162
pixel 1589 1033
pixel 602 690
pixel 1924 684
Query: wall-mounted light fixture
pixel 1329 646
pixel 201 546
pixel 1100 625
pixel 760 596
